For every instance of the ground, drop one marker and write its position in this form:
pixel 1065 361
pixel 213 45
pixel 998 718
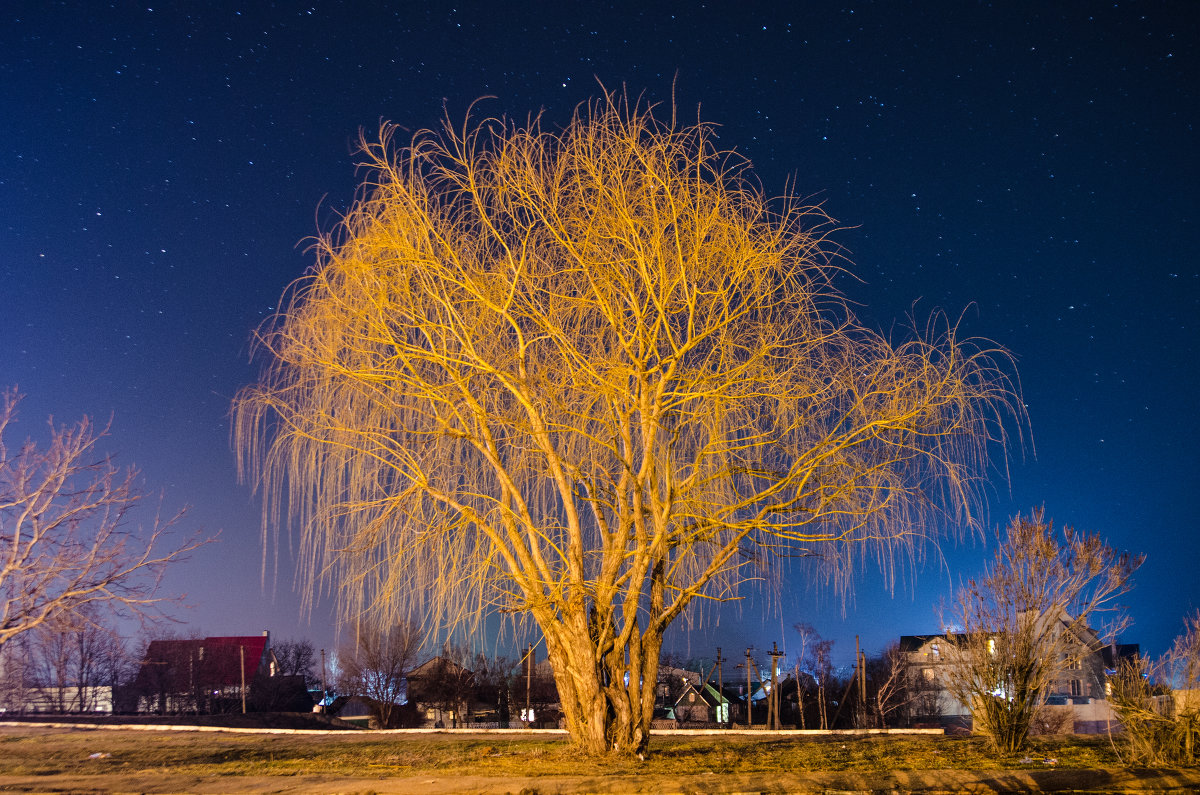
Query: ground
pixel 53 758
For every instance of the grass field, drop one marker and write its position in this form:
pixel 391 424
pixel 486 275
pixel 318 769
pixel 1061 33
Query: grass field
pixel 34 758
pixel 50 751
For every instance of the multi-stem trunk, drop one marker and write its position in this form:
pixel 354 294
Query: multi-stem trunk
pixel 606 692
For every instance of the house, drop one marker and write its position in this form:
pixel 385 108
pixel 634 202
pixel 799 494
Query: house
pixel 203 675
pixel 1077 700
pixel 60 700
pixel 700 705
pixel 927 658
pixel 443 692
pixel 534 695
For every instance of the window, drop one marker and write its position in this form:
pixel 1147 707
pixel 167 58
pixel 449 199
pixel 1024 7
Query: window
pixel 928 674
pixel 1076 687
pixel 936 651
pixel 1073 664
pixel 992 646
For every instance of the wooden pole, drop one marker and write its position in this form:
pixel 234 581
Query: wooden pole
pixel 862 685
pixel 721 685
pixel 858 677
pixel 242 655
pixel 775 655
pixel 528 682
pixel 749 694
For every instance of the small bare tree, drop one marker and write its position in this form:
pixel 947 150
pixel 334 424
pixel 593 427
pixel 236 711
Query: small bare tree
pixel 17 678
pixel 887 683
pixel 297 658
pixel 66 537
pixel 1027 620
pixel 376 666
pixel 593 377
pixel 72 656
pixel 820 666
pixel 809 637
pixel 493 685
pixel 1159 704
pixel 445 684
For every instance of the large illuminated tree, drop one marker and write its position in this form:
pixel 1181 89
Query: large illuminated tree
pixel 591 377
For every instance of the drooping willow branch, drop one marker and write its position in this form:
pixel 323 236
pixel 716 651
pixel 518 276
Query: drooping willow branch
pixel 595 371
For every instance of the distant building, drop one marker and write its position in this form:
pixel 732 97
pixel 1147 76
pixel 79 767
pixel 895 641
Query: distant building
pixel 61 700
pixel 1077 701
pixel 202 675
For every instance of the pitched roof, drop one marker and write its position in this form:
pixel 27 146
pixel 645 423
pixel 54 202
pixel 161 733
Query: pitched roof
pixel 177 664
pixel 915 642
pixel 223 662
pixel 438 666
pixel 1118 652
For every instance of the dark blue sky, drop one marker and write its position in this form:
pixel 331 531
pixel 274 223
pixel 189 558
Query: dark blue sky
pixel 1035 164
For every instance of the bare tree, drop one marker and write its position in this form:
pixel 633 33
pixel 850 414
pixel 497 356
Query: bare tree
pixel 493 685
pixel 297 658
pixel 445 684
pixel 887 681
pixel 1027 620
pixel 71 657
pixel 822 671
pixel 809 637
pixel 66 537
pixel 591 377
pixel 533 687
pixel 376 665
pixel 1159 703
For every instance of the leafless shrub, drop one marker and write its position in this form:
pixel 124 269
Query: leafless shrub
pixel 1027 619
pixel 1159 704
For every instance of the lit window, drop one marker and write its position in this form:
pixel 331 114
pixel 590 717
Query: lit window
pixel 992 646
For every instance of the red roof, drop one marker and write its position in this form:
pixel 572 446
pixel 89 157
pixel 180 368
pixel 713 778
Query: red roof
pixel 211 662
pixel 223 659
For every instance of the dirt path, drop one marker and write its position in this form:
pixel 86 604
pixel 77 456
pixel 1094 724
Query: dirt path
pixel 946 781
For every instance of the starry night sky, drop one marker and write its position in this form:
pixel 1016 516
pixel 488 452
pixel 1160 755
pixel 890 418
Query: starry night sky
pixel 1032 164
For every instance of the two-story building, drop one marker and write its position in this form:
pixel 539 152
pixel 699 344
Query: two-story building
pixel 1077 700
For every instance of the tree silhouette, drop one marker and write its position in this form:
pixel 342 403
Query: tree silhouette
pixel 67 542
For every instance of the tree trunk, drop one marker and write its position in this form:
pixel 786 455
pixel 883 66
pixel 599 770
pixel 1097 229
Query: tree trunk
pixel 606 691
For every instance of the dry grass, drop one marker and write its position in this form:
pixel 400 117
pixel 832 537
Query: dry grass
pixel 33 751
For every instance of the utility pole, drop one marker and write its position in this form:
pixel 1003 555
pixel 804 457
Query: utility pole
pixel 528 682
pixel 862 684
pixel 242 655
pixel 862 694
pixel 749 693
pixel 775 655
pixel 721 684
